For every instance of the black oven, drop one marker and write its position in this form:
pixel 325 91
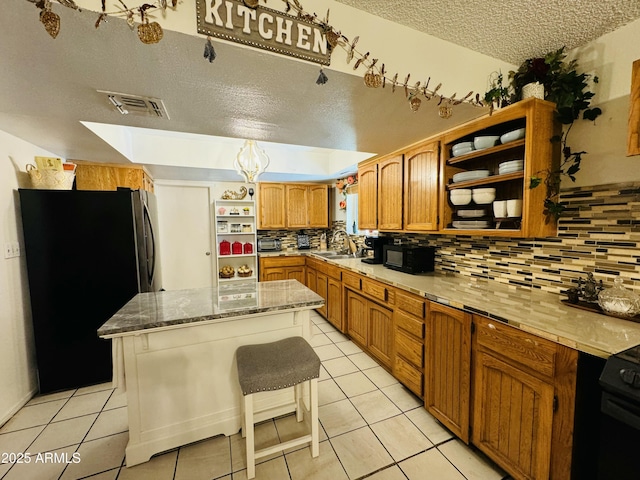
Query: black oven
pixel 409 259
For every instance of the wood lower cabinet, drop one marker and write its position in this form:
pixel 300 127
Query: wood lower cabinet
pixel 447 388
pixel 523 401
pixel 334 303
pixel 282 268
pixel 110 176
pixel 408 360
pixel 513 417
pixel 321 289
pixel 324 279
pixel 357 317
pixel 380 341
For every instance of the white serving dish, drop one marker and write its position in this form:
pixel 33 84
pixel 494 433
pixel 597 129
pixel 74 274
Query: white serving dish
pixel 471 224
pixel 471 175
pixel 512 135
pixel 486 141
pixel 462 151
pixel 504 171
pixel 460 196
pixel 483 196
pixel 471 213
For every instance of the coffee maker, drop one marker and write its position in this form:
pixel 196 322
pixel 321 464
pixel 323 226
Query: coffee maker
pixel 376 244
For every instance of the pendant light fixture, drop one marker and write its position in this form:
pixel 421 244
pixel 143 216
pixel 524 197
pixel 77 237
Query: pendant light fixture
pixel 251 161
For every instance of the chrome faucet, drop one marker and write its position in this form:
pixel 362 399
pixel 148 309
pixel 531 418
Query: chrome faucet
pixel 347 238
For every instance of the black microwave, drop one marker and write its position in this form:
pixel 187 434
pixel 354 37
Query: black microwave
pixel 409 259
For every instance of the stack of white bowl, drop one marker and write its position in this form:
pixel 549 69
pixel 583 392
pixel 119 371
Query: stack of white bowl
pixel 510 167
pixel 462 148
pixel 483 196
pixel 513 135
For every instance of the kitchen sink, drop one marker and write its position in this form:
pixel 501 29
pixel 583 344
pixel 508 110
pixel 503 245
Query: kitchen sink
pixel 333 254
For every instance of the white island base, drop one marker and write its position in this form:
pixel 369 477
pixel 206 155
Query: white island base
pixel 181 380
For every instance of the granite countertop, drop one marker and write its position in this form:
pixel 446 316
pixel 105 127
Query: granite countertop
pixel 161 309
pixel 531 310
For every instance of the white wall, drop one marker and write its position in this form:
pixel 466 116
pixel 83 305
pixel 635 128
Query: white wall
pixel 17 352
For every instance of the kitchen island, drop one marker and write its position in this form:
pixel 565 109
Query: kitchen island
pixel 174 353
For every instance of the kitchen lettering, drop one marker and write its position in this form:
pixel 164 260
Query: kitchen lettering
pixel 263 28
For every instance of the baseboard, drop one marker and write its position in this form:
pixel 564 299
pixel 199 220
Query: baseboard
pixel 6 416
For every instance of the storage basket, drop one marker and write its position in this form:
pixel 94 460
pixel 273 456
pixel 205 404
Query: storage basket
pixel 51 179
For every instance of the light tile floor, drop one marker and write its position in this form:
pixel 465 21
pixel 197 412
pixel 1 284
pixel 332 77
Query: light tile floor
pixel 371 427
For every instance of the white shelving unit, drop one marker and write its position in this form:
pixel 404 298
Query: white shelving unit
pixel 236 223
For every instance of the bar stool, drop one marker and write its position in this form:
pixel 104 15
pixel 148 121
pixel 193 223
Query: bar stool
pixel 274 366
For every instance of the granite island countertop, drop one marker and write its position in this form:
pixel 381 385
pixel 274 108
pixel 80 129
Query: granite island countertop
pixel 531 310
pixel 222 303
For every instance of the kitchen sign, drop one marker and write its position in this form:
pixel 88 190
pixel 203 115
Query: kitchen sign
pixel 263 28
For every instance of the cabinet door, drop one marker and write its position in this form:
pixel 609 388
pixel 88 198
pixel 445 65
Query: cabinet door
pixel 296 196
pixel 271 206
pixel 368 197
pixel 321 285
pixel 311 282
pixel 380 342
pixel 274 273
pixel 421 188
pixel 295 273
pixel 448 367
pixel 390 193
pixel 334 303
pixel 106 177
pixel 318 206
pixel 512 417
pixel 357 317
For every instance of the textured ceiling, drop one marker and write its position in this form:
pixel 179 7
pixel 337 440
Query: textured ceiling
pixel 510 30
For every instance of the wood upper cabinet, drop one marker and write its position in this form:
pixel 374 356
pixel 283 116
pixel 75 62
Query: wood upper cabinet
pixel 447 387
pixel 271 205
pixel 318 206
pixel 390 186
pixel 294 206
pixel 368 196
pixel 421 187
pixel 110 176
pixel 296 196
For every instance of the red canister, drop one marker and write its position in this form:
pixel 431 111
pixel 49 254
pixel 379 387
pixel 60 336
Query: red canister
pixel 225 247
pixel 236 248
pixel 248 248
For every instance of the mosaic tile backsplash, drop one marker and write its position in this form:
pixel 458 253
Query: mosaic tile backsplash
pixel 599 232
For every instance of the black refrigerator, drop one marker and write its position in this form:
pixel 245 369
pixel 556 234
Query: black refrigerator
pixel 88 253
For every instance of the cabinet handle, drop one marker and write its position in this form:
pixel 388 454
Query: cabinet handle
pixel 492 326
pixel 207 253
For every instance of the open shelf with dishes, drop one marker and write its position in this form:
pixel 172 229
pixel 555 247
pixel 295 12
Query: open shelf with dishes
pixel 490 161
pixel 236 242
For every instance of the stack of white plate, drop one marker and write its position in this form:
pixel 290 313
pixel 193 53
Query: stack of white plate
pixel 462 148
pixel 471 213
pixel 471 224
pixel 510 167
pixel 470 175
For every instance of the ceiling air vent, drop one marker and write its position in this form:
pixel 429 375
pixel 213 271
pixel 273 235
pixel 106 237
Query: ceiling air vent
pixel 136 105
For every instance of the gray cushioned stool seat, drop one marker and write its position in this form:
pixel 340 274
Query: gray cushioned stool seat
pixel 276 365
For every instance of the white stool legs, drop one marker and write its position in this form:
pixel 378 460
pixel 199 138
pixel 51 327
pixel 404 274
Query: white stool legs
pixel 313 437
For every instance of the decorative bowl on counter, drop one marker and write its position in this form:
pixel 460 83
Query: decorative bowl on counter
pixel 460 196
pixel 480 143
pixel 483 196
pixel 513 135
pixel 617 300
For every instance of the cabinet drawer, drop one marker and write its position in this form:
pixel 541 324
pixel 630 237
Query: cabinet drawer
pixel 410 348
pixel 529 350
pixel 408 375
pixel 283 261
pixel 374 289
pixel 410 303
pixel 412 325
pixel 333 271
pixel 351 280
